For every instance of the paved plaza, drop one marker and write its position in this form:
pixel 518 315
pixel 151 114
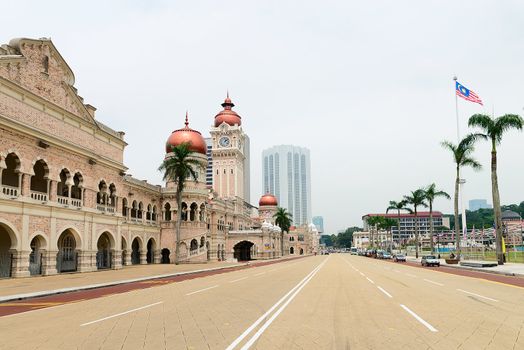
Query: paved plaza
pixel 370 304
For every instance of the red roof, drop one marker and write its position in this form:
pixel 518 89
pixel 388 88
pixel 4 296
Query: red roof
pixel 420 214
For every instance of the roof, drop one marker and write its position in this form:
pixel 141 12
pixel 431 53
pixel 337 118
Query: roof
pixel 406 215
pixel 508 215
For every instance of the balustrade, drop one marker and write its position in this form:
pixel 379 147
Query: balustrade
pixel 39 196
pixel 76 202
pixel 10 191
pixel 63 200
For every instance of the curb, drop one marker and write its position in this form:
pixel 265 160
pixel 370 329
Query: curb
pixel 476 269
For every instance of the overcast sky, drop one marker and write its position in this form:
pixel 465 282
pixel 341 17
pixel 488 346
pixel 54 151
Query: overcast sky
pixel 366 86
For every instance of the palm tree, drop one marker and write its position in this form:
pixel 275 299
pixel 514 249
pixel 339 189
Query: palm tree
pixel 493 129
pixel 416 199
pixel 373 221
pixel 398 206
pixel 284 220
pixel 178 166
pixel 431 194
pixel 462 157
pixel 386 224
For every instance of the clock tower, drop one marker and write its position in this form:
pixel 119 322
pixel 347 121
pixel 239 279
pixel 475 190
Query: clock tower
pixel 230 154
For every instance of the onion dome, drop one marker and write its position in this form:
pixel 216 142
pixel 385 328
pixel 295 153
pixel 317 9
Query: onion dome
pixel 187 135
pixel 227 115
pixel 268 199
pixel 510 215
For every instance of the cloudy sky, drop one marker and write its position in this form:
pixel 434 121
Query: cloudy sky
pixel 365 85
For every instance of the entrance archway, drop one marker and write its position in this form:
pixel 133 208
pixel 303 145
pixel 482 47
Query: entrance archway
pixel 291 250
pixel 135 251
pixel 5 254
pixel 242 250
pixel 66 258
pixel 150 251
pixel 301 251
pixel 165 256
pixel 35 257
pixel 124 251
pixel 103 255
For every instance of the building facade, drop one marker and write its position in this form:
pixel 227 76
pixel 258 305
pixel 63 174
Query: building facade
pixel 286 173
pixel 67 204
pixel 318 221
pixel 476 204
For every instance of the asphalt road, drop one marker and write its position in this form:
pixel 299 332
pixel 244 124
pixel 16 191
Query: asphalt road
pixel 323 302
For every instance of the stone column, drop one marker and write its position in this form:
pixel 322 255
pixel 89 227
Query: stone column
pixel 25 184
pixel 116 259
pixel 143 257
pixel 86 261
pixel 52 191
pixel 48 262
pixel 157 257
pixel 127 257
pixel 19 263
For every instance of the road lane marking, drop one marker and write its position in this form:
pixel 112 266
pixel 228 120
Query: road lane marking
pixel 263 317
pixel 239 279
pixel 258 274
pixel 410 275
pixel 361 273
pixel 370 280
pixel 397 271
pixel 418 318
pixel 384 291
pixel 201 290
pixel 120 314
pixel 430 281
pixel 261 330
pixel 477 295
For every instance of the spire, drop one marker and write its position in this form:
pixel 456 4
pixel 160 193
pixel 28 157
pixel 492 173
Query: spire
pixel 227 102
pixel 187 121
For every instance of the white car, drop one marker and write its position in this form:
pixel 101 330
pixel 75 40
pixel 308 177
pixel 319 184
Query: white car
pixel 430 260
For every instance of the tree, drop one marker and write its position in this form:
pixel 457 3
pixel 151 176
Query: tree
pixel 373 222
pixel 417 199
pixel 462 157
pixel 345 239
pixel 283 219
pixel 431 194
pixel 386 224
pixel 178 166
pixel 493 129
pixel 398 206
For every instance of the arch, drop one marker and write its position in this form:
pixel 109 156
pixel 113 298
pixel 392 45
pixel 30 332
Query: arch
pixel 110 235
pixel 167 212
pixel 202 212
pixel 66 259
pixel 78 184
pixel 112 195
pixel 151 247
pixel 184 211
pixel 10 180
pixel 291 250
pixel 193 245
pixel 39 179
pixel 153 214
pixel 242 250
pixel 123 246
pixel 192 211
pixel 148 212
pixel 202 241
pixel 101 195
pixel 165 256
pixel 11 232
pixel 140 209
pixel 7 242
pixel 62 187
pixel 124 207
pixel 103 256
pixel 134 209
pixel 207 250
pixel 38 242
pixel 74 232
pixel 136 247
pixel 301 251
pixel 42 237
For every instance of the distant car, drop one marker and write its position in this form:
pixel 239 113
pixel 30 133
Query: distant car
pixel 386 256
pixel 353 251
pixel 400 257
pixel 380 255
pixel 430 260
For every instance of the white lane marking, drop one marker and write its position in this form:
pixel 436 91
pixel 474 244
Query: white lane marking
pixel 384 291
pixel 239 279
pixel 370 280
pixel 258 274
pixel 201 290
pixel 418 318
pixel 430 281
pixel 261 330
pixel 477 295
pixel 397 271
pixel 120 314
pixel 263 317
pixel 410 275
pixel 361 273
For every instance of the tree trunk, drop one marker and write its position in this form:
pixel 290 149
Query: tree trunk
pixel 178 222
pixel 496 206
pixel 456 205
pixel 398 226
pixel 431 226
pixel 416 233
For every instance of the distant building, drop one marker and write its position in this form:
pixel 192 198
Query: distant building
pixel 476 204
pixel 286 174
pixel 209 169
pixel 318 221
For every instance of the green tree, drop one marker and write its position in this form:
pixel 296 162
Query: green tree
pixel 462 158
pixel 431 194
pixel 387 224
pixel 178 166
pixel 345 239
pixel 493 129
pixel 417 199
pixel 373 222
pixel 284 219
pixel 398 206
pixel 327 240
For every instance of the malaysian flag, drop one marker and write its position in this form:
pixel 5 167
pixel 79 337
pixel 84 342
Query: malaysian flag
pixel 467 94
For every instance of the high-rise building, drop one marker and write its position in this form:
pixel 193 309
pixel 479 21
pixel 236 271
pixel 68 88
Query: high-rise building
pixel 287 175
pixel 318 221
pixel 476 204
pixel 209 169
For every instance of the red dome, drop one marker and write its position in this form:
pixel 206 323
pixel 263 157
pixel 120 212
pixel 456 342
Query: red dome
pixel 187 135
pixel 268 199
pixel 228 115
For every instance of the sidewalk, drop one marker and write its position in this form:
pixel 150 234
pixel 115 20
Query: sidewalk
pixel 508 269
pixel 22 288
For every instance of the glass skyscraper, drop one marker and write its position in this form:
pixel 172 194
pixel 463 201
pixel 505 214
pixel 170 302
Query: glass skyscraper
pixel 287 175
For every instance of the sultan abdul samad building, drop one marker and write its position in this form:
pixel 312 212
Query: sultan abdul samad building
pixel 66 203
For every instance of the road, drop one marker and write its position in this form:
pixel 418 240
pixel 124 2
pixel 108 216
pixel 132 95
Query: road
pixel 324 302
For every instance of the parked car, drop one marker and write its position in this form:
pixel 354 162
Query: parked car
pixel 430 260
pixel 386 255
pixel 400 258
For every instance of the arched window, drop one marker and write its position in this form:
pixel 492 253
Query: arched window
pixel 134 210
pixel 39 179
pixel 124 207
pixel 62 188
pixel 167 212
pixel 202 212
pixel 202 241
pixel 192 212
pixel 194 245
pixel 184 211
pixel 101 196
pixel 153 213
pixel 148 213
pixel 10 175
pixel 140 210
pixel 76 189
pixel 112 196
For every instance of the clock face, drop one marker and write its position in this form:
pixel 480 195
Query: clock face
pixel 224 141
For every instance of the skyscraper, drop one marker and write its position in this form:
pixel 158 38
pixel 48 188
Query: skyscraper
pixel 318 221
pixel 287 175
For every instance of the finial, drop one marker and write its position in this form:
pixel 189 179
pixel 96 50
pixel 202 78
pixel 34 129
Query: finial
pixel 187 122
pixel 227 93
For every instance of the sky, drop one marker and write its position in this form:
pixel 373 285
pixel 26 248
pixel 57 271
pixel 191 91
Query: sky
pixel 365 85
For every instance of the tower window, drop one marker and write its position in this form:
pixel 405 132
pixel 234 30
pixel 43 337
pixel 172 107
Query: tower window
pixel 46 64
pixel 231 171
